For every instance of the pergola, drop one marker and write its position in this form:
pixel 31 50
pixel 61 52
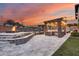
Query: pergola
pixel 60 25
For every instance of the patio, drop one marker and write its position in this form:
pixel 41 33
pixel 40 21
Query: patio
pixel 39 45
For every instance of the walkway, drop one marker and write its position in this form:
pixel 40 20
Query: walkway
pixel 39 45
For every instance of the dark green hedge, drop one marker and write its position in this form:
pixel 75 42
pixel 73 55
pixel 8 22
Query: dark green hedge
pixel 75 34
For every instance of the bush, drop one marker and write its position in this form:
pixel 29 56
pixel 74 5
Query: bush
pixel 68 31
pixel 75 34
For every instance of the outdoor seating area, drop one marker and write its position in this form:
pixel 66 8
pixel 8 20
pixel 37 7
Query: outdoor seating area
pixel 39 29
pixel 56 26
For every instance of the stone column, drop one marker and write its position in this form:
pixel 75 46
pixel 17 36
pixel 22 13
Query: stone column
pixel 45 28
pixel 59 29
pixel 64 30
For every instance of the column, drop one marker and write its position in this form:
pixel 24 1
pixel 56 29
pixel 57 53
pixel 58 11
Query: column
pixel 59 29
pixel 45 28
pixel 64 30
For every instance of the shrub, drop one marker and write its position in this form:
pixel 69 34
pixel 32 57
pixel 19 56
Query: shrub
pixel 75 34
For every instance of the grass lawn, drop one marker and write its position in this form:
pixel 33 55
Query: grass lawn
pixel 69 48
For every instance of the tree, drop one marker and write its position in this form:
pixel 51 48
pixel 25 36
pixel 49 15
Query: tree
pixel 10 22
pixel 75 24
pixel 19 24
pixel 69 25
pixel 78 22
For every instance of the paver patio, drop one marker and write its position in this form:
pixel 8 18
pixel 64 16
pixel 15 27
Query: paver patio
pixel 39 45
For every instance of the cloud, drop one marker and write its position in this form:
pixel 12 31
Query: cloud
pixel 62 12
pixel 31 13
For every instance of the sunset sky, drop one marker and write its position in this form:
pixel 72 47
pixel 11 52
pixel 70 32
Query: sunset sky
pixel 35 13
